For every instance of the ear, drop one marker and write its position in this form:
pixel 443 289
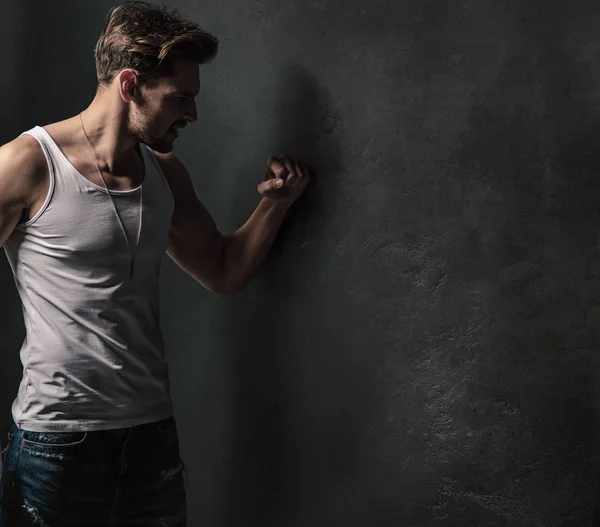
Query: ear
pixel 128 84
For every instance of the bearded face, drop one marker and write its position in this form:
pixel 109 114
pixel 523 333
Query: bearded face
pixel 165 106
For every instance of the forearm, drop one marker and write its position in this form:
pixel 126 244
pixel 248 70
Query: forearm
pixel 246 248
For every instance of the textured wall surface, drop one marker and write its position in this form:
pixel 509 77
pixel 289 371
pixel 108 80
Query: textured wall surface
pixel 422 347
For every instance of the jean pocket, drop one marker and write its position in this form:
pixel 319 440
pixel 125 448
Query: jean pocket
pixel 53 439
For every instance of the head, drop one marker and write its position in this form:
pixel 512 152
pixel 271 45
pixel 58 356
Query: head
pixel 150 56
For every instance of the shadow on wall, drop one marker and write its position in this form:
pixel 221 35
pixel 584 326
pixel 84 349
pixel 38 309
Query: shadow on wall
pixel 268 345
pixel 307 119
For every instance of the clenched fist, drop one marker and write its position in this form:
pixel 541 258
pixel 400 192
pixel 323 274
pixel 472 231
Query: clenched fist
pixel 285 180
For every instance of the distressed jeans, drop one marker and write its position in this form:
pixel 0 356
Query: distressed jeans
pixel 114 478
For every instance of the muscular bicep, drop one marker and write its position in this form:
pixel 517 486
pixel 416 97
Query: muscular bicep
pixel 195 243
pixel 22 178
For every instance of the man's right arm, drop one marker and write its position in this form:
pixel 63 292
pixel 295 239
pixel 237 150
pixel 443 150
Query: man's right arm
pixel 24 182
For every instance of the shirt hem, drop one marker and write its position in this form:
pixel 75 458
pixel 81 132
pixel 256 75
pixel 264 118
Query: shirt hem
pixel 88 425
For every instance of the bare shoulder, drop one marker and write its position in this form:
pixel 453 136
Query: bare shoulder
pixel 24 151
pixel 189 210
pixel 175 172
pixel 170 164
pixel 23 166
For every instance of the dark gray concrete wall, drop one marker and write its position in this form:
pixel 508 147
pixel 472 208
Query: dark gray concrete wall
pixel 420 349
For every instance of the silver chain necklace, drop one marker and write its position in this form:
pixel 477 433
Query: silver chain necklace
pixel 139 232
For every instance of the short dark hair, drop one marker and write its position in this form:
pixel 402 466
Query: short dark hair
pixel 148 37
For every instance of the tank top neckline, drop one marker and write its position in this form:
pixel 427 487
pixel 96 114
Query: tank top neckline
pixel 91 183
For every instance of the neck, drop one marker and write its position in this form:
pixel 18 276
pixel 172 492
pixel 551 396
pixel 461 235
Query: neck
pixel 105 122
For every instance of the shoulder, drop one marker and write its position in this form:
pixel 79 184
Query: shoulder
pixel 170 163
pixel 24 151
pixel 175 172
pixel 23 173
pixel 23 160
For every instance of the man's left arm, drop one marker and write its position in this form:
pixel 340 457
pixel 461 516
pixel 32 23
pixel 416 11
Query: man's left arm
pixel 224 264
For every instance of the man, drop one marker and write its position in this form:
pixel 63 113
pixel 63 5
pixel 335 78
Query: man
pixel 88 207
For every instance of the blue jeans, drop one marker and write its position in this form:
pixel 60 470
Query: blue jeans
pixel 126 477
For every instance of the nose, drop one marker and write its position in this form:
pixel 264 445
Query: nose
pixel 191 114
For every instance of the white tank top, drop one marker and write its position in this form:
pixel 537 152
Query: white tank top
pixel 93 355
